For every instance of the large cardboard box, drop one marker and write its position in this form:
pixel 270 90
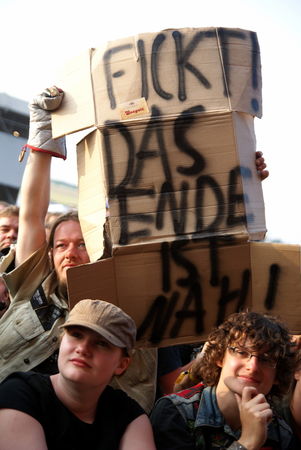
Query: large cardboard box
pixel 177 291
pixel 172 153
pixel 217 69
pixel 192 176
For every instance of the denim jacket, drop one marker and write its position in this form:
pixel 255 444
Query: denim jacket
pixel 206 424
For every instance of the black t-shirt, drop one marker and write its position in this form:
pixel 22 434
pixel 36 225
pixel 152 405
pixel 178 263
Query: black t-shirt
pixel 33 394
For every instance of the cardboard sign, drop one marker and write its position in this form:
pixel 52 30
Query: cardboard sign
pixel 192 176
pixel 276 272
pixel 174 70
pixel 177 291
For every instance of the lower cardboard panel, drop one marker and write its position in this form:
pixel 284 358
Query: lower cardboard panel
pixel 177 291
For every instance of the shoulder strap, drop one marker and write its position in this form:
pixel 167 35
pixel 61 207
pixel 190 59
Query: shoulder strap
pixel 47 312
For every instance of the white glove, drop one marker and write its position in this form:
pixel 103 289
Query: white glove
pixel 40 131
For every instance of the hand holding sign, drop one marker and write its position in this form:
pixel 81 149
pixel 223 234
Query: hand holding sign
pixel 40 129
pixel 255 413
pixel 261 166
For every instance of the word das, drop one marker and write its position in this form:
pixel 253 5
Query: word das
pixel 194 183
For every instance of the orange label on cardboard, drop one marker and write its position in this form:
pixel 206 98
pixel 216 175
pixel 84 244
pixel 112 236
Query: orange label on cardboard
pixel 134 108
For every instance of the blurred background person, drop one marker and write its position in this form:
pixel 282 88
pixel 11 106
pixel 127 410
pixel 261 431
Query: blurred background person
pixel 9 226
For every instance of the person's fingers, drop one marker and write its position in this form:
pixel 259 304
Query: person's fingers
pixel 261 166
pixel 258 154
pixel 267 414
pixel 264 174
pixel 259 162
pixel 248 393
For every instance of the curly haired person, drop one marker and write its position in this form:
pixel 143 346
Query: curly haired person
pixel 245 363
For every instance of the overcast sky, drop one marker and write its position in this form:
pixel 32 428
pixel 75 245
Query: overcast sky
pixel 38 36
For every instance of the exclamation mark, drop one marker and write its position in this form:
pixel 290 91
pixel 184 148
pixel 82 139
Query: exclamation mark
pixel 255 56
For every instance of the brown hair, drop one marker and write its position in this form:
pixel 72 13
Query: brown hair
pixel 50 218
pixel 71 215
pixel 9 211
pixel 296 356
pixel 263 332
pixel 3 204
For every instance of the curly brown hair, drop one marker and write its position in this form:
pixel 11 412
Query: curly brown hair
pixel 263 332
pixel 296 356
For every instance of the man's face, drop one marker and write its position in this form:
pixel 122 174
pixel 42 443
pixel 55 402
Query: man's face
pixel 241 370
pixel 8 230
pixel 69 248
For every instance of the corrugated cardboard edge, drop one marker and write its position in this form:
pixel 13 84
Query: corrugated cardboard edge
pixel 252 187
pixel 80 66
pixel 259 251
pixel 91 208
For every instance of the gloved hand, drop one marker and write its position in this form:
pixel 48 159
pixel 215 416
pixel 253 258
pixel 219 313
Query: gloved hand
pixel 40 131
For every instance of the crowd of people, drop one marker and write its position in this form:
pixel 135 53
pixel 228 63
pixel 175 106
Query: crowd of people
pixel 74 379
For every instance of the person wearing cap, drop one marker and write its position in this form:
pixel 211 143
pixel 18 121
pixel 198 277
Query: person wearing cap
pixel 34 271
pixel 75 408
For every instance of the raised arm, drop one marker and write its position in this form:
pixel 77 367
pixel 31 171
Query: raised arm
pixel 34 205
pixel 35 186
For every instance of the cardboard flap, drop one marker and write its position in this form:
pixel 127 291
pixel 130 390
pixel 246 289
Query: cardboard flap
pixel 77 111
pixel 92 195
pixel 157 287
pixel 277 278
pixel 251 185
pixel 89 286
pixel 178 291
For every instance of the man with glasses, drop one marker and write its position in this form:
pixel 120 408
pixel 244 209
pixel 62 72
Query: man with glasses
pixel 246 362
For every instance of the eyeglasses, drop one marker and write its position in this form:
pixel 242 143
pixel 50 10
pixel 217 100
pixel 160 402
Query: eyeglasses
pixel 265 359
